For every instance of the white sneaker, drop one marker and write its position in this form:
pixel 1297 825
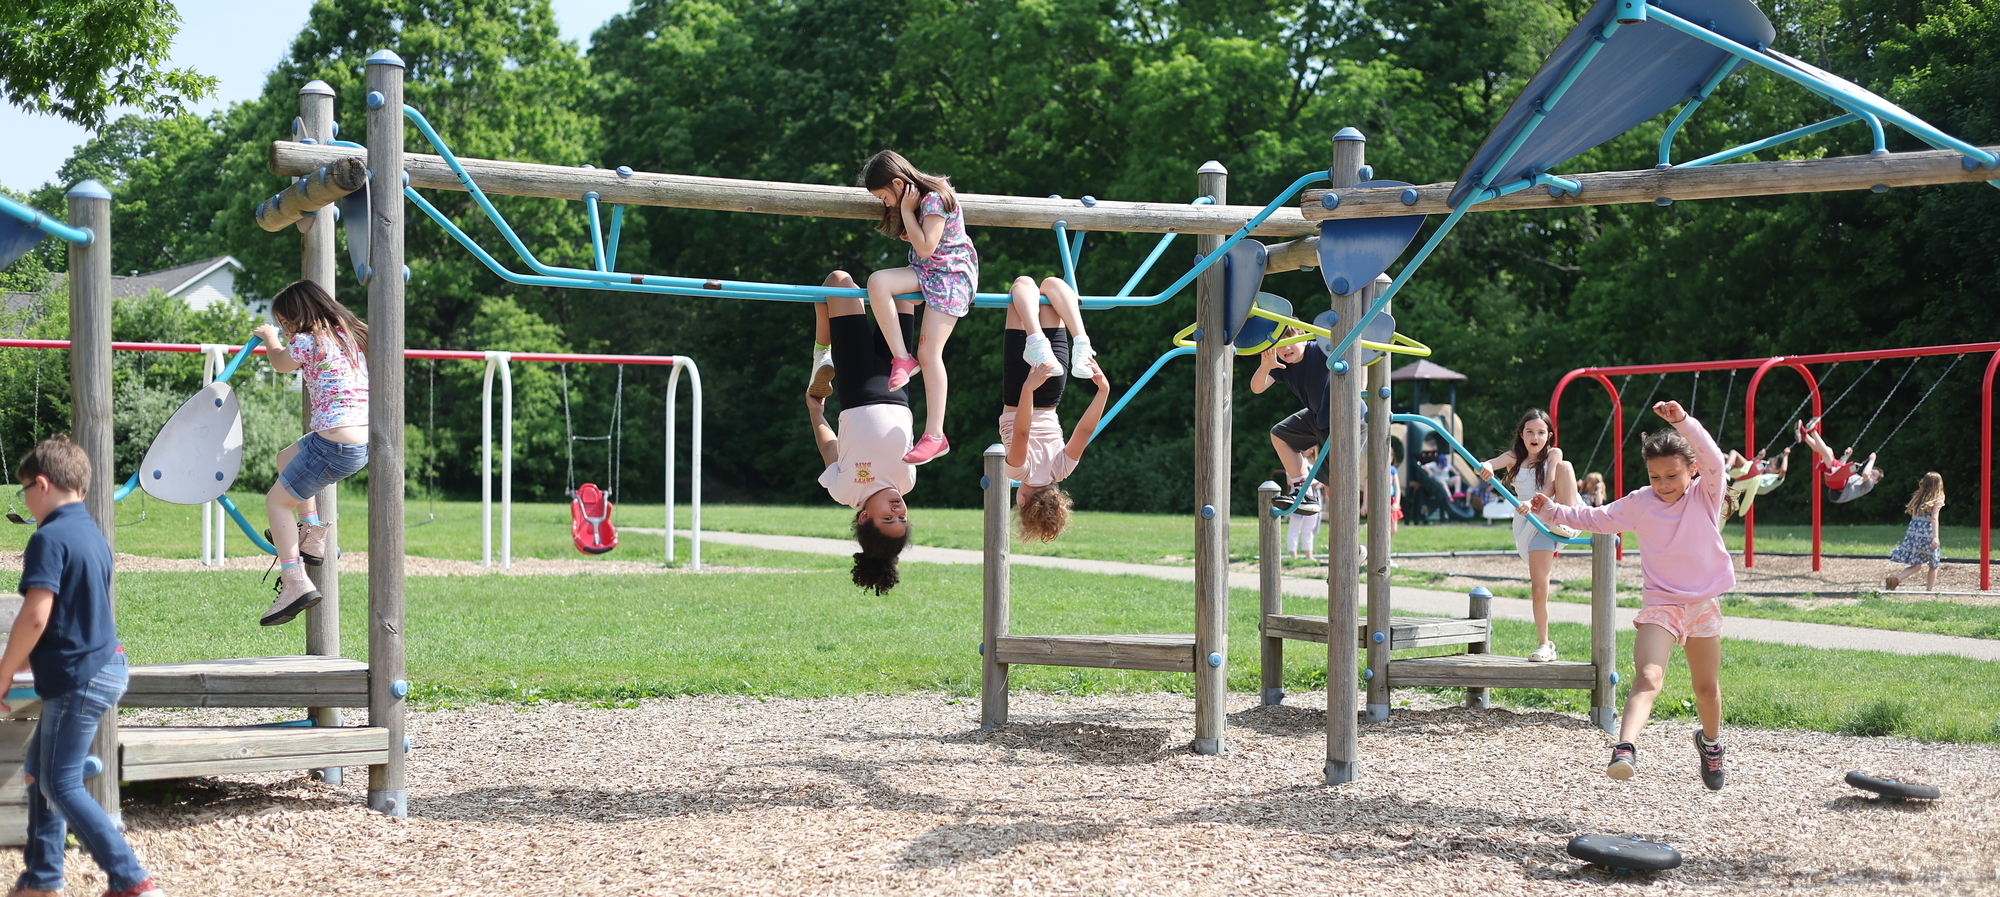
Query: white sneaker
pixel 1038 352
pixel 1080 355
pixel 1543 654
pixel 819 383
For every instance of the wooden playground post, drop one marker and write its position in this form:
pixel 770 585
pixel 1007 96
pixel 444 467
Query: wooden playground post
pixel 386 686
pixel 1214 363
pixel 1270 594
pixel 1342 508
pixel 1479 606
pixel 1603 633
pixel 90 415
pixel 993 621
pixel 1381 511
pixel 316 263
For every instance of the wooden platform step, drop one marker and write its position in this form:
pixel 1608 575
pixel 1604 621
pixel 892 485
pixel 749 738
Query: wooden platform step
pixel 1404 632
pixel 178 752
pixel 1490 671
pixel 1169 653
pixel 299 680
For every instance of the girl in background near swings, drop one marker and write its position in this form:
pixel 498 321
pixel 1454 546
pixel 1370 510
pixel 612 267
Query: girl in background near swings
pixel 1920 546
pixel 1533 465
pixel 331 345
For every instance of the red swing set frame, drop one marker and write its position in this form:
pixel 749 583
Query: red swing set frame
pixel 1799 363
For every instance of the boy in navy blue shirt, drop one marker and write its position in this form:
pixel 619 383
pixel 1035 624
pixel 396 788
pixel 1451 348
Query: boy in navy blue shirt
pixel 65 634
pixel 1301 366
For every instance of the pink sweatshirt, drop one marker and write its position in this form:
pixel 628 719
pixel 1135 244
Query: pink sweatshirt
pixel 1681 543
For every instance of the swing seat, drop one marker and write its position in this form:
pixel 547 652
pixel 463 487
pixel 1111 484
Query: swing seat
pixel 590 520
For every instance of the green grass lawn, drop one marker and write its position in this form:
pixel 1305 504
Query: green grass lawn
pixel 612 639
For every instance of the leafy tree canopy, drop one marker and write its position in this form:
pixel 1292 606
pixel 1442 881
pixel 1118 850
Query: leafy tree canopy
pixel 78 58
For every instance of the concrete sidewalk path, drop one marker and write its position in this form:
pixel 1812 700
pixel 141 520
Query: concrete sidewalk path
pixel 1420 601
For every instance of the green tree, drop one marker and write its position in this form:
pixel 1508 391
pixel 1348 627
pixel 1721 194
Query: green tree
pixel 78 58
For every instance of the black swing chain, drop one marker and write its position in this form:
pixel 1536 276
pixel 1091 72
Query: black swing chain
pixel 1601 431
pixel 1887 399
pixel 1920 403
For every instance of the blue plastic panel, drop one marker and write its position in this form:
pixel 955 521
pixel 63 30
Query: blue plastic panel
pixel 1643 70
pixel 1259 333
pixel 16 238
pixel 1242 274
pixel 1353 251
pixel 354 223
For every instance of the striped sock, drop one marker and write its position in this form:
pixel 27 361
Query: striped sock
pixel 287 564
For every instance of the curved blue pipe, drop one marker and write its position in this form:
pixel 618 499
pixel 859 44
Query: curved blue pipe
pixel 243 524
pixel 1459 449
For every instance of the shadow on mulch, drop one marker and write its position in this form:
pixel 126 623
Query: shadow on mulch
pixel 1082 742
pixel 171 804
pixel 959 843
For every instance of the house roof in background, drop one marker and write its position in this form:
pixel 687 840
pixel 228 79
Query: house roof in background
pixel 172 280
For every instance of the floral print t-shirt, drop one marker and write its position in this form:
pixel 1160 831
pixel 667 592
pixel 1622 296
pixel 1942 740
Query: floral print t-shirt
pixel 951 275
pixel 336 384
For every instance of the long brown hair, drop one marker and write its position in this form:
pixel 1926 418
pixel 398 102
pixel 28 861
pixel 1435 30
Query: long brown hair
pixel 306 307
pixel 881 171
pixel 1520 448
pixel 1928 497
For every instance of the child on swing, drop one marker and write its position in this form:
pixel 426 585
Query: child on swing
pixel 1847 480
pixel 331 344
pixel 1920 542
pixel 1035 367
pixel 1752 477
pixel 1678 518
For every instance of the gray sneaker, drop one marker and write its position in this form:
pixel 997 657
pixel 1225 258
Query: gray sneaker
pixel 295 596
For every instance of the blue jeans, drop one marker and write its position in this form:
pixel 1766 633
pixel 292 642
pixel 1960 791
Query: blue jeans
pixel 55 762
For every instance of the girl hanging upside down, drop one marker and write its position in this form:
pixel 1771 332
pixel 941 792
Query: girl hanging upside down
pixel 1035 366
pixel 865 469
pixel 1847 480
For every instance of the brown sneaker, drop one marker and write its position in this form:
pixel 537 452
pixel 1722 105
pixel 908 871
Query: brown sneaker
pixel 295 595
pixel 312 543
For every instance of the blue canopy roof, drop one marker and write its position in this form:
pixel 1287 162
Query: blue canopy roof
pixel 1643 70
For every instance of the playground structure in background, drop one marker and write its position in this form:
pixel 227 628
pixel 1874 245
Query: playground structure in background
pixel 213 519
pixel 1800 363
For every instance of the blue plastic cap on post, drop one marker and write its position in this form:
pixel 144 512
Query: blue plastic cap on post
pixel 386 57
pixel 985 482
pixel 1341 287
pixel 1480 592
pixel 1614 677
pixel 1383 392
pixel 375 99
pixel 1879 188
pixel 588 194
pixel 1351 134
pixel 1208 512
pixel 399 688
pixel 1409 196
pixel 982 649
pixel 89 188
pixel 1061 224
pixel 406 273
pixel 624 171
pixel 1365 172
pixel 1212 167
pixel 1089 200
pixel 92 766
pixel 1663 201
pixel 1214 659
pixel 1377 638
pixel 316 88
pixel 1339 366
pixel 1368 675
pixel 1329 200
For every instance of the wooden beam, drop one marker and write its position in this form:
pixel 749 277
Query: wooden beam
pixel 310 193
pixel 1605 188
pixel 1167 653
pixel 684 191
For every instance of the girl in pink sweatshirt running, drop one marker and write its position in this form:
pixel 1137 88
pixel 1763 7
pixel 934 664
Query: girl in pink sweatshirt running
pixel 1678 519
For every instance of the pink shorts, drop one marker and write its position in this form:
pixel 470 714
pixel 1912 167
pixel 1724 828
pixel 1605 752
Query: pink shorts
pixel 1702 619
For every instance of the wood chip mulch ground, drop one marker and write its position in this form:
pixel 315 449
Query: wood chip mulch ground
pixel 1089 795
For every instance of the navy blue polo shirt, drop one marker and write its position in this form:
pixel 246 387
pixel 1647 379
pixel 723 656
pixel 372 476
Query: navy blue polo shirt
pixel 68 556
pixel 1309 381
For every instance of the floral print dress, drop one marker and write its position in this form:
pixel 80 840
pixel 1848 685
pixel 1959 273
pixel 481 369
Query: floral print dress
pixel 951 275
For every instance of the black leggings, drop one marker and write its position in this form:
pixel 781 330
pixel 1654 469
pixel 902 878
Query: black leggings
pixel 1014 369
pixel 861 360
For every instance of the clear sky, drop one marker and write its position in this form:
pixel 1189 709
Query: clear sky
pixel 238 42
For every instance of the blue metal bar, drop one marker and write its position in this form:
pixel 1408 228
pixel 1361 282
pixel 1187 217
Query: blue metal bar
pixel 575 277
pixel 1768 142
pixel 243 524
pixel 1460 450
pixel 29 216
pixel 1158 249
pixel 596 232
pixel 1381 302
pixel 1917 127
pixel 1694 102
pixel 1076 255
pixel 229 370
pixel 1138 384
pixel 1548 103
pixel 611 249
pixel 1062 249
pixel 127 488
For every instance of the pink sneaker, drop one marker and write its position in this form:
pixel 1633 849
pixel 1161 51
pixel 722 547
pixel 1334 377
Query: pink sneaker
pixel 901 370
pixel 928 448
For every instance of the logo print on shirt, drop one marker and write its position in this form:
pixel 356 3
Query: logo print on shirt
pixel 864 472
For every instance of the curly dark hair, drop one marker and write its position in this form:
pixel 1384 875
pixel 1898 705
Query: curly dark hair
pixel 875 563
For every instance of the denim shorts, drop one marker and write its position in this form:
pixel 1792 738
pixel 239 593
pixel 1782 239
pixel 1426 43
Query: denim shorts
pixel 320 463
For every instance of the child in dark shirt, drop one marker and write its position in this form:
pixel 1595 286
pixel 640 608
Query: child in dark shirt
pixel 1301 366
pixel 65 634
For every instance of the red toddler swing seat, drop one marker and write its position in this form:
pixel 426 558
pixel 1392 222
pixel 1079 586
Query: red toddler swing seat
pixel 590 520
